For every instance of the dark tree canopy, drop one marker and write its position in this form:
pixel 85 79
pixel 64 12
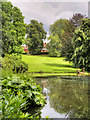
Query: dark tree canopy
pixel 13 29
pixel 70 26
pixel 35 36
pixel 81 45
pixel 67 47
pixel 76 19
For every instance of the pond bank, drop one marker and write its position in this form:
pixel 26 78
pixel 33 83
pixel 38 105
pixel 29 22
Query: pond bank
pixel 55 74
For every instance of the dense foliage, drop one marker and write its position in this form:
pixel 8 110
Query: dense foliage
pixel 81 45
pixel 57 27
pixel 12 105
pixel 13 29
pixel 64 29
pixel 19 93
pixel 35 36
pixel 55 44
pixel 67 46
pixel 70 26
pixel 70 38
pixel 14 63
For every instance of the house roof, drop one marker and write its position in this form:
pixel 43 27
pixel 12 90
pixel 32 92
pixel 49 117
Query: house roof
pixel 44 48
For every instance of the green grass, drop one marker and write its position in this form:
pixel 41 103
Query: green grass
pixel 49 65
pixel 55 74
pixel 51 74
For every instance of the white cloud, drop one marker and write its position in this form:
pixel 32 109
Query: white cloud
pixel 65 14
pixel 49 12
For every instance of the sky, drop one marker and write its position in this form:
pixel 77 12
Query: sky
pixel 49 11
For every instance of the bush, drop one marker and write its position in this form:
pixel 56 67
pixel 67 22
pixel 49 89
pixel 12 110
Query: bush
pixel 14 63
pixel 12 105
pixel 23 82
pixel 19 93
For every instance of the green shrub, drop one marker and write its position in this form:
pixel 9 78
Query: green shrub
pixel 23 82
pixel 12 105
pixel 14 63
pixel 19 93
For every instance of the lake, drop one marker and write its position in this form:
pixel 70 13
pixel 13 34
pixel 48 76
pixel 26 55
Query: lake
pixel 66 97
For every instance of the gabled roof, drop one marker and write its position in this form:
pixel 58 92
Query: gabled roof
pixel 44 48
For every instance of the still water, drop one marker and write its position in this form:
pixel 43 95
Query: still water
pixel 66 96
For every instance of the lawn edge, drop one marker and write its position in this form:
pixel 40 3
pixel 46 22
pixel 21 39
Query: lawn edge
pixel 55 74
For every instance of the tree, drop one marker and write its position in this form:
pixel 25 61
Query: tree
pixel 64 29
pixel 56 30
pixel 57 27
pixel 70 26
pixel 35 36
pixel 76 19
pixel 67 47
pixel 13 29
pixel 54 46
pixel 81 45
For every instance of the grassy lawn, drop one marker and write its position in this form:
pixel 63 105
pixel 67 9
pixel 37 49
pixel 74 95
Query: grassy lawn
pixel 51 74
pixel 43 66
pixel 48 65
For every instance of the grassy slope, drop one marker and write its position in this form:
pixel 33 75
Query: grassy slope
pixel 48 65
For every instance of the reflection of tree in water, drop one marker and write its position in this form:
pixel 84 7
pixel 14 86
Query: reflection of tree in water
pixel 69 97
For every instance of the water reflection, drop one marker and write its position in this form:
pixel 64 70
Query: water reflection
pixel 47 110
pixel 66 97
pixel 69 97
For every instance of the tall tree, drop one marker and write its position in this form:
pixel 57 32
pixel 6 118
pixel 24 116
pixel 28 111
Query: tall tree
pixel 35 36
pixel 81 45
pixel 67 47
pixel 64 29
pixel 70 26
pixel 56 30
pixel 13 29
